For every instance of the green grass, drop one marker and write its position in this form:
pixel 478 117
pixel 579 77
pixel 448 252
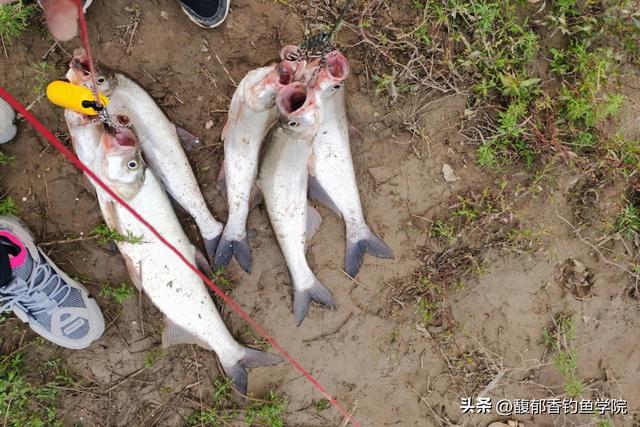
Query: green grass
pixel 41 71
pixel 445 230
pixel 23 404
pixel 152 356
pixel 322 405
pixel 6 159
pixel 8 206
pixel 559 339
pixel 628 221
pixel 13 20
pixel 118 294
pixel 224 410
pixel 267 413
pixel 104 235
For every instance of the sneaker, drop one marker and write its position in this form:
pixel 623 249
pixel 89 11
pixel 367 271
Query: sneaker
pixel 206 13
pixel 8 129
pixel 56 307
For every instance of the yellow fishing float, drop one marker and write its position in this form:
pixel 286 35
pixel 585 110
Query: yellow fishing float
pixel 74 97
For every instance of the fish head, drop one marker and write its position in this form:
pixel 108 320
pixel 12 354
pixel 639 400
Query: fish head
pixel 334 70
pixel 79 73
pixel 299 108
pixel 122 164
pixel 263 93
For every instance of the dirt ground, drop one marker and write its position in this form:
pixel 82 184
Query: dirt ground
pixel 371 353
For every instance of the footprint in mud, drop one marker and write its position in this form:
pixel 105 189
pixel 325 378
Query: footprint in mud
pixel 574 276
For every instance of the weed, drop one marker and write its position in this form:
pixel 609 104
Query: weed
pixel 444 230
pixel 267 413
pixel 6 159
pixel 104 235
pixel 628 221
pixel 224 411
pixel 8 206
pixel 152 356
pixel 322 404
pixel 25 404
pixel 13 20
pixel 41 70
pixel 560 338
pixel 427 310
pixel 118 294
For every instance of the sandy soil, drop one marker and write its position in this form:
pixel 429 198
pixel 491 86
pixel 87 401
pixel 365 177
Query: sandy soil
pixel 371 352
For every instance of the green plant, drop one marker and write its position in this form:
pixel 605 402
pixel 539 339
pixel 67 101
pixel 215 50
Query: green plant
pixel 118 294
pixel 444 230
pixel 322 404
pixel 13 20
pixel 152 356
pixel 8 206
pixel 25 404
pixel 104 235
pixel 560 340
pixel 628 221
pixel 6 159
pixel 268 412
pixel 427 310
pixel 41 70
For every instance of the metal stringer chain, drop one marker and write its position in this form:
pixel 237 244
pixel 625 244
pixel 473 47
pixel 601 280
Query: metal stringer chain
pixel 320 44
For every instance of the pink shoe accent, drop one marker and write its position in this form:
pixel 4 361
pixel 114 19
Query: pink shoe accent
pixel 15 261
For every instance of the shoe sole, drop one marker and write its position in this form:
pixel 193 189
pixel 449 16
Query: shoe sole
pixel 199 24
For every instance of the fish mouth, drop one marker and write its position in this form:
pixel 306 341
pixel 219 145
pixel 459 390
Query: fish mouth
pixel 286 73
pixel 337 66
pixel 293 98
pixel 80 62
pixel 121 136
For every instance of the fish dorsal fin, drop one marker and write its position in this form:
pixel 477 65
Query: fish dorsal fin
pixel 313 222
pixel 203 264
pixel 173 334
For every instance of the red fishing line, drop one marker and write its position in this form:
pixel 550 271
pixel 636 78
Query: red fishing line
pixel 227 299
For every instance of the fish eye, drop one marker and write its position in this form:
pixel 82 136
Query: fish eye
pixel 336 87
pixel 101 80
pixel 293 124
pixel 132 164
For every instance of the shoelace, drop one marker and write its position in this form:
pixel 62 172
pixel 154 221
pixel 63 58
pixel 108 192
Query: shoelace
pixel 27 295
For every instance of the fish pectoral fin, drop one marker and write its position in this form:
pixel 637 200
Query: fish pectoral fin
pixel 355 135
pixel 203 263
pixel 173 334
pixel 134 271
pixel 317 193
pixel 255 197
pixel 88 185
pixel 222 181
pixel 188 140
pixel 313 222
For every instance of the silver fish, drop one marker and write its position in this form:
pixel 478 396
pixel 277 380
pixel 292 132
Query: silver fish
pixel 251 115
pixel 333 179
pixel 283 181
pixel 159 140
pixel 179 293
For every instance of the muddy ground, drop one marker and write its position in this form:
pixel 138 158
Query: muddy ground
pixel 372 352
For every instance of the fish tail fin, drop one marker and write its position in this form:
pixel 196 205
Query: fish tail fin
pixel 210 246
pixel 228 248
pixel 302 299
pixel 369 243
pixel 252 359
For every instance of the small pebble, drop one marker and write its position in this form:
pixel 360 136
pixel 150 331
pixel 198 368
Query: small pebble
pixel 24 199
pixel 208 125
pixel 164 15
